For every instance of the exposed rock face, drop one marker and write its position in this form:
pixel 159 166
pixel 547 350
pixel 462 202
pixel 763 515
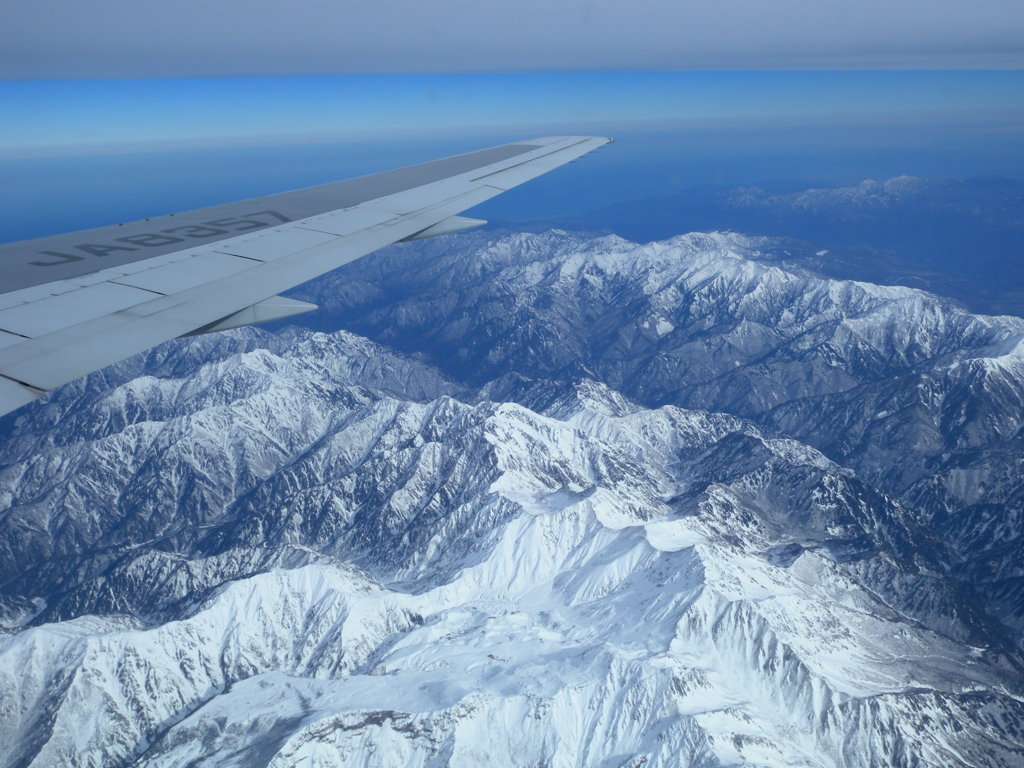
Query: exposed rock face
pixel 923 399
pixel 621 509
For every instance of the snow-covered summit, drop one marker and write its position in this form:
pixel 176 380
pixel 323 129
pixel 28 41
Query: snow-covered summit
pixel 581 501
pixel 446 581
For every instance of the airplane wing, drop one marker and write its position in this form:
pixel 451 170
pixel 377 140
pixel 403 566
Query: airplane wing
pixel 73 303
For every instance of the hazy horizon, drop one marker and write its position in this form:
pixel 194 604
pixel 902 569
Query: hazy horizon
pixel 77 154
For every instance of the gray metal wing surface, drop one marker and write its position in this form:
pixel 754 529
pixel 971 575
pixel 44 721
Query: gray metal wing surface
pixel 71 304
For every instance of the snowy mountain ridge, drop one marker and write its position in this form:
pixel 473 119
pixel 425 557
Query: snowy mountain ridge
pixel 851 200
pixel 309 548
pixel 719 322
pixel 526 627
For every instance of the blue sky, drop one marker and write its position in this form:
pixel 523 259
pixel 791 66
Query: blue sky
pixel 79 153
pixel 117 109
pixel 54 117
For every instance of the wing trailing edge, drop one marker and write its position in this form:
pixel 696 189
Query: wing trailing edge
pixel 74 303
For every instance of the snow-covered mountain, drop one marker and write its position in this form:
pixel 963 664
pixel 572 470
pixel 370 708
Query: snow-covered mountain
pixel 857 201
pixel 957 238
pixel 580 502
pixel 923 399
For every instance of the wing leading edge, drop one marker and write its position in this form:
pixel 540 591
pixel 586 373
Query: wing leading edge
pixel 71 304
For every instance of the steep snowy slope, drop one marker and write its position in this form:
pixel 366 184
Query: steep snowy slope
pixel 923 399
pixel 599 585
pixel 312 549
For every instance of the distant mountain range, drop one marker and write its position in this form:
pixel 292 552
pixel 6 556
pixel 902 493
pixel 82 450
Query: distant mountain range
pixel 961 239
pixel 549 499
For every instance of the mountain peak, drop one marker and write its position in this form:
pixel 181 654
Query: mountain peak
pixel 540 475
